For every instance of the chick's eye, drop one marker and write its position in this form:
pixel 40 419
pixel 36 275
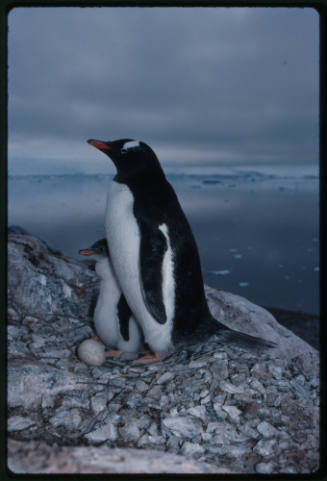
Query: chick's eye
pixel 123 151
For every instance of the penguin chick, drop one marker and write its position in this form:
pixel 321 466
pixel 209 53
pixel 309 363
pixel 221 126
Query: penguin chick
pixel 155 256
pixel 113 319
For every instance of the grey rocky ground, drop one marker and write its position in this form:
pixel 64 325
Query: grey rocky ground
pixel 209 408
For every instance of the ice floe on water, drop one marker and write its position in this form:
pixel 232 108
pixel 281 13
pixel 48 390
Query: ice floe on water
pixel 223 272
pixel 243 284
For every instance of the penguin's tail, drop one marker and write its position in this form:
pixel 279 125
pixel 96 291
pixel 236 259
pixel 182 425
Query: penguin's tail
pixel 225 334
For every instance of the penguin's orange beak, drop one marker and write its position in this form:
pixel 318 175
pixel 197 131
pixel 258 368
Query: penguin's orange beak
pixel 99 144
pixel 86 252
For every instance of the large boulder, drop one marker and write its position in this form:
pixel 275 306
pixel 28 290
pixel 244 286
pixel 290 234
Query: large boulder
pixel 210 408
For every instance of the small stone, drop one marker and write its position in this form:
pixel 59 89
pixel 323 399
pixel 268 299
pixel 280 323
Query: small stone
pixel 98 403
pixel 250 432
pixel 69 419
pixel 219 411
pixel 231 388
pixel 197 364
pixel 265 447
pixel 18 423
pixel 257 386
pixel 182 427
pixel 276 371
pixel 206 399
pixel 167 376
pixel 107 432
pixel 233 412
pixel 204 393
pixel 198 412
pixel 238 451
pixel 266 429
pixel 265 468
pixel 130 432
pixel 219 367
pixel 134 400
pixel 141 386
pixel 191 450
pixel 155 393
pixel 215 427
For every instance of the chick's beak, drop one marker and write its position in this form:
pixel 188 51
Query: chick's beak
pixel 86 252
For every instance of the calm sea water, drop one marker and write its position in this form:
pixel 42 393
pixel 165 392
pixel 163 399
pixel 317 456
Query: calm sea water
pixel 257 232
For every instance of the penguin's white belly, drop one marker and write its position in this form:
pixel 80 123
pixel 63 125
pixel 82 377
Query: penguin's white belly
pixel 123 235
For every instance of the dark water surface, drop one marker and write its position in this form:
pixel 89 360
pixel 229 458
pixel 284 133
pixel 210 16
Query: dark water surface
pixel 257 234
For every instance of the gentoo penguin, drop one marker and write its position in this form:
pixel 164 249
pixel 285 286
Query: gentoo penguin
pixel 113 319
pixel 155 256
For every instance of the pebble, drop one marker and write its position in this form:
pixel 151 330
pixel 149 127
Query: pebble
pixel 141 386
pixel 18 423
pixel 68 418
pixel 167 376
pixel 107 432
pixel 192 449
pixel 182 427
pixel 266 429
pixel 98 403
pixel 265 468
pixel 231 388
pixel 198 412
pixel 233 412
pixel 265 447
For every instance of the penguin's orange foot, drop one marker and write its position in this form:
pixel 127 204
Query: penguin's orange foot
pixel 113 353
pixel 153 357
pixel 97 338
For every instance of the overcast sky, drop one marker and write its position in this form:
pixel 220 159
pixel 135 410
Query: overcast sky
pixel 218 86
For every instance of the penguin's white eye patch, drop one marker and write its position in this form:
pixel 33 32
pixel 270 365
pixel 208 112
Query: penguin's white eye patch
pixel 131 144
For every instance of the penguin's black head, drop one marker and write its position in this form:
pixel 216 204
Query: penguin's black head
pixel 129 156
pixel 98 249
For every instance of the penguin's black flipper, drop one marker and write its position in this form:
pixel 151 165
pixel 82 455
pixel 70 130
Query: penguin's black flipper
pixel 212 327
pixel 244 340
pixel 152 250
pixel 124 314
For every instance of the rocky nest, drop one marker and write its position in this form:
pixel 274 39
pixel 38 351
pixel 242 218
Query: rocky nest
pixel 212 408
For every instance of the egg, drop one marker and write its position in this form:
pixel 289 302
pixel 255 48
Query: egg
pixel 91 352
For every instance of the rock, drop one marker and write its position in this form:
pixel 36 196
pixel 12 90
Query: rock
pixel 265 468
pixel 68 418
pixel 37 457
pixel 106 432
pixel 182 427
pixel 191 450
pixel 199 412
pixel 41 283
pixel 167 376
pixel 265 447
pixel 233 412
pixel 141 386
pixel 30 381
pixel 130 432
pixel 266 429
pixel 99 403
pixel 18 423
pixel 214 401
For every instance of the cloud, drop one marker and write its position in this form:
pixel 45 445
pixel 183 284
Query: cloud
pixel 197 84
